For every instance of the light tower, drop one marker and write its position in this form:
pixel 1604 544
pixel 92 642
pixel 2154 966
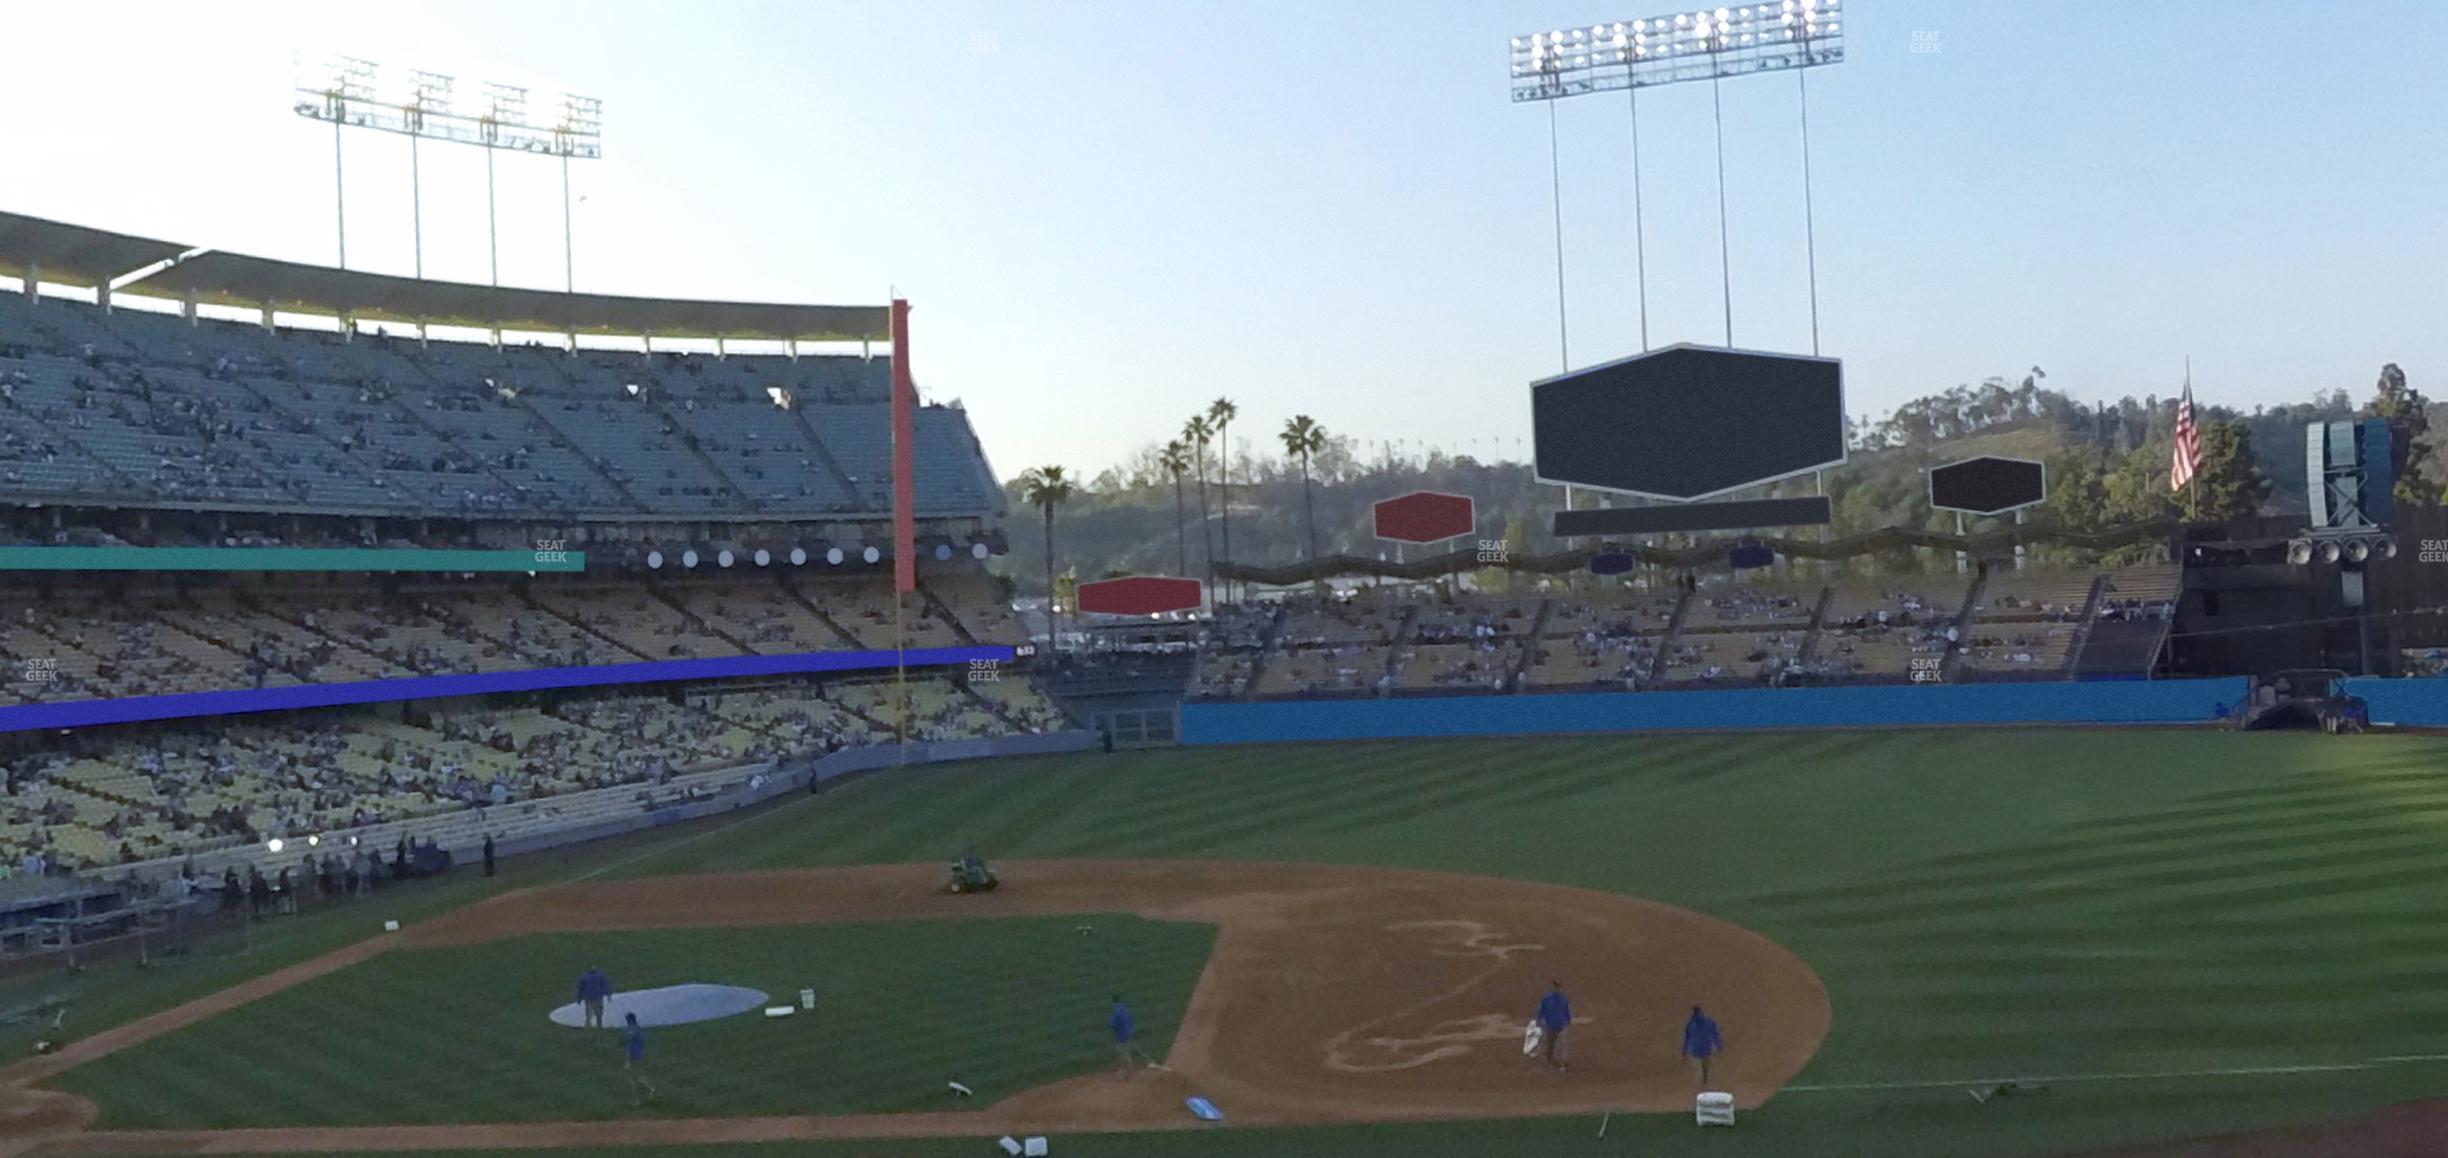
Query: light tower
pixel 1704 44
pixel 350 92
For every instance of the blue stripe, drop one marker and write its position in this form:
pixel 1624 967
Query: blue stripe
pixel 2149 702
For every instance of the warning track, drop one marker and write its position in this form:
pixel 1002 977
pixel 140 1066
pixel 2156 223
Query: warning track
pixel 1335 994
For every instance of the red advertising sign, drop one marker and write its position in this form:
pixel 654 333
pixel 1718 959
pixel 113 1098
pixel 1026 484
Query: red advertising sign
pixel 1425 517
pixel 1139 595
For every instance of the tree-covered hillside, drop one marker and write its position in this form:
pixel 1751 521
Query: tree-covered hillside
pixel 2108 464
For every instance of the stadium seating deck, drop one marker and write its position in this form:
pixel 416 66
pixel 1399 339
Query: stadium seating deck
pixel 150 792
pixel 139 407
pixel 151 640
pixel 1606 635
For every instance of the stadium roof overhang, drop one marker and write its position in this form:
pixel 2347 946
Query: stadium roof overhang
pixel 76 255
pixel 73 254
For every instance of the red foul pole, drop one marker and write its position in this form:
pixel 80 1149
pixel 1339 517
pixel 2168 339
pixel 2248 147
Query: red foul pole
pixel 905 498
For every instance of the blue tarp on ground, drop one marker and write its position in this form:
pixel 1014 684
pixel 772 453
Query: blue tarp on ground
pixel 2148 702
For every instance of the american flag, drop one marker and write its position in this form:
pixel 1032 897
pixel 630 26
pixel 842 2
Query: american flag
pixel 2187 459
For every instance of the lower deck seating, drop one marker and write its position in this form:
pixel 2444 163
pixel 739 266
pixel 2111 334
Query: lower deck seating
pixel 111 795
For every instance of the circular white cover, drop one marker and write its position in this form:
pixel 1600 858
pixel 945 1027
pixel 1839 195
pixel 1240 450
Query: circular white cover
pixel 669 1005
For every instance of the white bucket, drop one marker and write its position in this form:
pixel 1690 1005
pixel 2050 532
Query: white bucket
pixel 807 999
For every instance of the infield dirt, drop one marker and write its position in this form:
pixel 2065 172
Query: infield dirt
pixel 1335 994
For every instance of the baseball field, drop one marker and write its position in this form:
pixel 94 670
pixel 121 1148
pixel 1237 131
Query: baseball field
pixel 2112 937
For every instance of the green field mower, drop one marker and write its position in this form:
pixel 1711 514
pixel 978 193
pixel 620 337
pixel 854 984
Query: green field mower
pixel 970 874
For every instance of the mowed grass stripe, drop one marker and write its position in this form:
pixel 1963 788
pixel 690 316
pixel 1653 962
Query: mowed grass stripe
pixel 2045 880
pixel 2104 849
pixel 783 829
pixel 1427 793
pixel 1055 793
pixel 1574 772
pixel 891 836
pixel 1228 814
pixel 1129 809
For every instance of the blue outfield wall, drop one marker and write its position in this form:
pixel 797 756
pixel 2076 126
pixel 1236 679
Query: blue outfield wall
pixel 2148 702
pixel 2410 703
pixel 184 705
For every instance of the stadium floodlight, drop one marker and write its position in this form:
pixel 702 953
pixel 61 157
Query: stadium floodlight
pixel 1702 44
pixel 350 92
pixel 1708 44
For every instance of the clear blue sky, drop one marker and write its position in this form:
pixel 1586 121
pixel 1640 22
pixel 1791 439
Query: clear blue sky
pixel 1109 213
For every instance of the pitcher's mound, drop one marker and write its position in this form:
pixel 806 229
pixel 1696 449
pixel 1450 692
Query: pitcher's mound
pixel 669 1005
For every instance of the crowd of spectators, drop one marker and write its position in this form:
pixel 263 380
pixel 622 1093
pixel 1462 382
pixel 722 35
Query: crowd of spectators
pixel 152 409
pixel 1738 633
pixel 122 795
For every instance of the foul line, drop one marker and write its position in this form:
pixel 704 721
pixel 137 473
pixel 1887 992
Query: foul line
pixel 2159 1075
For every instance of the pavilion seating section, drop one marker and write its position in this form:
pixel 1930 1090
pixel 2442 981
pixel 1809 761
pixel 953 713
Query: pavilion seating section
pixel 1347 667
pixel 1457 666
pixel 1732 656
pixel 1367 618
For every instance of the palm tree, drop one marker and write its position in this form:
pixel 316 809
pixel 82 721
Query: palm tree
pixel 1196 432
pixel 1221 412
pixel 1045 488
pixel 1302 437
pixel 1175 459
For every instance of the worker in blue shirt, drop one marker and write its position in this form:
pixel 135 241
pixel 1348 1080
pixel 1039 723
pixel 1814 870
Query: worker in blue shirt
pixel 593 989
pixel 1701 1042
pixel 634 1043
pixel 1554 1017
pixel 1123 1028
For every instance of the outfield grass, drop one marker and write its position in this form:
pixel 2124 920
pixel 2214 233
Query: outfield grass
pixel 902 1008
pixel 1980 904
